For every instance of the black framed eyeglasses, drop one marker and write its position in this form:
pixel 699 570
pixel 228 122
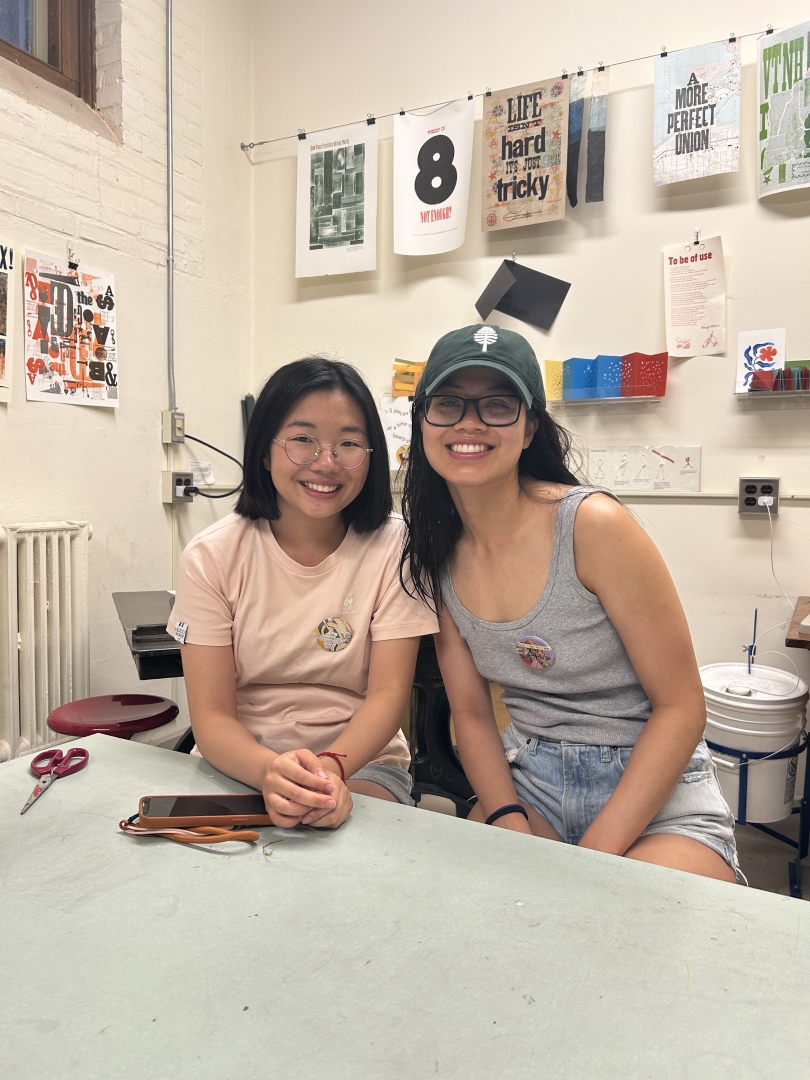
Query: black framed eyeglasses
pixel 303 449
pixel 494 410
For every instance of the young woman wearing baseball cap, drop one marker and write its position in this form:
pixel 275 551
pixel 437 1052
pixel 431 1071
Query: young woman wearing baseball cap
pixel 554 591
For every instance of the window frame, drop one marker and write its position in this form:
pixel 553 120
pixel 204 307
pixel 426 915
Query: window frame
pixel 71 43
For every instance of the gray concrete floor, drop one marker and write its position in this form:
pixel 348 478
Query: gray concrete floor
pixel 763 859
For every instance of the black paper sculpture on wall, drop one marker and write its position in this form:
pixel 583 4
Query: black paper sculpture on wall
pixel 524 294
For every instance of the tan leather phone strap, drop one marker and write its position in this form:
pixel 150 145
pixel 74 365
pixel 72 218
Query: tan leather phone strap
pixel 201 834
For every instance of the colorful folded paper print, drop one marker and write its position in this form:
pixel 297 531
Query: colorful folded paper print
pixel 608 376
pixel 406 377
pixel 554 380
pixel 579 379
pixel 795 375
pixel 644 375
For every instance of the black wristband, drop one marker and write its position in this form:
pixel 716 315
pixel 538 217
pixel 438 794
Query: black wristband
pixel 502 811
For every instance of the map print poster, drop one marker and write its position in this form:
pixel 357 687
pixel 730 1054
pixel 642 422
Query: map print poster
pixel 784 110
pixel 432 159
pixel 6 307
pixel 71 354
pixel 696 125
pixel 336 214
pixel 525 154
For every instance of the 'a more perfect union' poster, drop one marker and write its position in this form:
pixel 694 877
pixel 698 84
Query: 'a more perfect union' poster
pixel 696 126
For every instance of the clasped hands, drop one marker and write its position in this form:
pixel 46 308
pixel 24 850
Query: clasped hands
pixel 302 789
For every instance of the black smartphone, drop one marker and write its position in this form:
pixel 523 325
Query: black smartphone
pixel 183 811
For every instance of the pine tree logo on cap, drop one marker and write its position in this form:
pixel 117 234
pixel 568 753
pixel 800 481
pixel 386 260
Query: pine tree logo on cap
pixel 485 336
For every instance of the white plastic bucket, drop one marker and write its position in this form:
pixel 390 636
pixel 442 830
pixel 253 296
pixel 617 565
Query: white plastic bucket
pixel 762 713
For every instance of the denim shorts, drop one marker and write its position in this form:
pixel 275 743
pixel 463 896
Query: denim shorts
pixel 569 783
pixel 391 777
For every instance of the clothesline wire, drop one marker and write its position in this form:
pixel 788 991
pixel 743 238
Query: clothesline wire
pixel 386 116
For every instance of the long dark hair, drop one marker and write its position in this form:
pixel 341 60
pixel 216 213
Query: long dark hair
pixel 281 391
pixel 433 525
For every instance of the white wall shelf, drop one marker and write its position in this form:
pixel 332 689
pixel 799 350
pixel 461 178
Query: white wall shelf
pixel 771 395
pixel 603 401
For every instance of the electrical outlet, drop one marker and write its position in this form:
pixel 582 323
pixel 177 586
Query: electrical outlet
pixel 174 487
pixel 173 426
pixel 754 488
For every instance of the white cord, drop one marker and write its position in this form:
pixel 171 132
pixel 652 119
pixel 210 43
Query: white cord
pixel 770 652
pixel 775 578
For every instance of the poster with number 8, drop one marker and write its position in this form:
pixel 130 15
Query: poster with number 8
pixel 432 160
pixel 71 352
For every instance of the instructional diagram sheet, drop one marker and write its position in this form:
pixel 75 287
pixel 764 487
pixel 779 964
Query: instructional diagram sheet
pixel 695 298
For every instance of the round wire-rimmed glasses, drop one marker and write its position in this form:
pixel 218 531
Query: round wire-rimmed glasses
pixel 494 410
pixel 304 449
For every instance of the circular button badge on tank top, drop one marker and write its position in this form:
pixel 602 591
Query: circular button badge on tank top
pixel 535 653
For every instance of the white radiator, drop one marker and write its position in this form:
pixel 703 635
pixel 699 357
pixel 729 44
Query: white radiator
pixel 44 653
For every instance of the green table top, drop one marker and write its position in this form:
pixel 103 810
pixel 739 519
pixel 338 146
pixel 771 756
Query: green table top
pixel 404 945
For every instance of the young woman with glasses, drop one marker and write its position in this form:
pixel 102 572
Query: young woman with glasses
pixel 298 641
pixel 551 589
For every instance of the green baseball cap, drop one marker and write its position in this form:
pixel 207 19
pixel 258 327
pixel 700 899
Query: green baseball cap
pixel 485 346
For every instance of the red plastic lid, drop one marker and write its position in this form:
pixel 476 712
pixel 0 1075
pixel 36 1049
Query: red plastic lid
pixel 114 714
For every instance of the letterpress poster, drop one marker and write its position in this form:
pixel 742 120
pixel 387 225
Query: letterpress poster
pixel 71 353
pixel 432 159
pixel 784 110
pixel 524 157
pixel 6 307
pixel 695 298
pixel 336 214
pixel 697 112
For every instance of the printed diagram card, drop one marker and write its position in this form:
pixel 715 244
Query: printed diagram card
pixel 645 468
pixel 336 206
pixel 758 350
pixel 784 123
pixel 71 352
pixel 396 419
pixel 6 307
pixel 524 155
pixel 432 160
pixel 695 298
pixel 696 125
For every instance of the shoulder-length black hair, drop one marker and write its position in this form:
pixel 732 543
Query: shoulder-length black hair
pixel 281 391
pixel 433 525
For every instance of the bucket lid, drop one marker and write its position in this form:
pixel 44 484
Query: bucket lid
pixel 732 682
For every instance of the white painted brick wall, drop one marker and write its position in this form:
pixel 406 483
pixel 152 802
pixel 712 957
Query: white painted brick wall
pixel 84 186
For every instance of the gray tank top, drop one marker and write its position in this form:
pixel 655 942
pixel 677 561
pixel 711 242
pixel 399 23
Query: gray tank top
pixel 565 673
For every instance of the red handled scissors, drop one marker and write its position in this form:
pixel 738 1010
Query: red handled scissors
pixel 52 764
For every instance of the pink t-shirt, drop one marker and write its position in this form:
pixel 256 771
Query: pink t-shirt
pixel 301 635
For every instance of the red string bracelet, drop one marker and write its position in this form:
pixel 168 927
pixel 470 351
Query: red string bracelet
pixel 335 757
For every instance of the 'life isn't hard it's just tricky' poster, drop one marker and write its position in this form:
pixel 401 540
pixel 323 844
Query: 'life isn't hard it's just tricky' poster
pixel 524 159
pixel 71 354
